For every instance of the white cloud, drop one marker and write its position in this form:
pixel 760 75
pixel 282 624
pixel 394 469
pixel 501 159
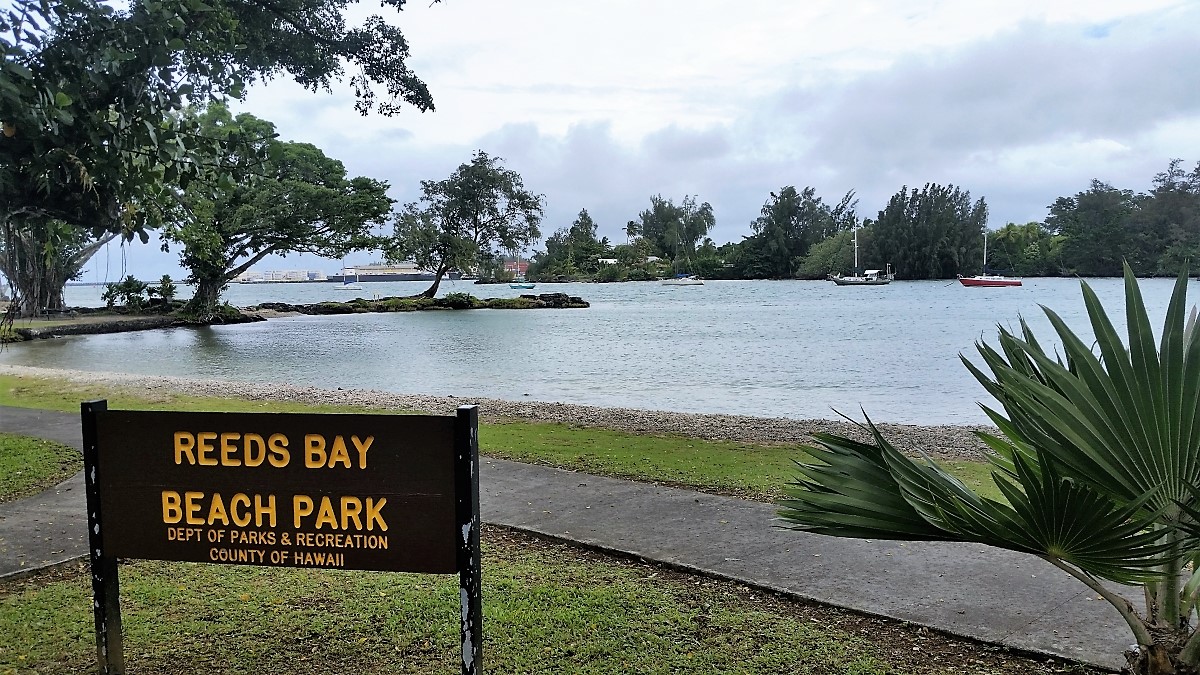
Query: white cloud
pixel 602 105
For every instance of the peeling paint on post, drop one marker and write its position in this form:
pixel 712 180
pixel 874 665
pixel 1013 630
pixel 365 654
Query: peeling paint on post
pixel 106 596
pixel 466 476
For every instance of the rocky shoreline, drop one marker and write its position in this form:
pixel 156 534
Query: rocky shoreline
pixel 939 442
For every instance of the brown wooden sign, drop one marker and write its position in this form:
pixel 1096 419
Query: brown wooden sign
pixel 364 492
pixel 358 492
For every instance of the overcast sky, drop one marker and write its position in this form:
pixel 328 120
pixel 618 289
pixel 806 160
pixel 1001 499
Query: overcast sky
pixel 601 105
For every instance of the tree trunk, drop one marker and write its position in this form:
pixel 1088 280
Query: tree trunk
pixel 40 258
pixel 437 281
pixel 203 305
pixel 1162 657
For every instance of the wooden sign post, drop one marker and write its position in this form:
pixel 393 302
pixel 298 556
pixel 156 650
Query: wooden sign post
pixel 356 492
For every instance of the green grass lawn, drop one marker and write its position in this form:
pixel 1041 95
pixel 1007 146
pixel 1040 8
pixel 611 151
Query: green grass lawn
pixel 548 608
pixel 30 465
pixel 756 471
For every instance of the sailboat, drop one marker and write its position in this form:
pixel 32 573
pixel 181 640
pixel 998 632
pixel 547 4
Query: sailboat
pixel 986 280
pixel 519 281
pixel 346 284
pixel 681 279
pixel 867 278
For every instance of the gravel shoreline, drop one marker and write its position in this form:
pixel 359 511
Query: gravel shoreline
pixel 940 442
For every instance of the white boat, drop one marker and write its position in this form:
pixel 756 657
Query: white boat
pixel 986 280
pixel 683 280
pixel 867 278
pixel 347 284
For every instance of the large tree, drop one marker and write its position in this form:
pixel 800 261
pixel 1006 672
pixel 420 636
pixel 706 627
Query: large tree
pixel 89 92
pixel 39 259
pixel 673 230
pixel 463 220
pixel 931 233
pixel 1095 227
pixel 789 224
pixel 1028 250
pixel 571 251
pixel 1166 226
pixel 296 200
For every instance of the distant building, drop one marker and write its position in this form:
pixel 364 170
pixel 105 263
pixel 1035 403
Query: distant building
pixel 607 261
pixel 279 276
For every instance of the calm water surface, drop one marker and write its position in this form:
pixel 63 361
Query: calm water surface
pixel 768 348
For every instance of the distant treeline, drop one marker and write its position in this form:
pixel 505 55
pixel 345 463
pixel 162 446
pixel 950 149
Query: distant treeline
pixel 935 232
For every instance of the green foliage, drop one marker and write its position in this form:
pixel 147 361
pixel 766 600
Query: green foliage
pixel 791 222
pixel 609 273
pixel 459 301
pixel 460 221
pixel 833 255
pixel 673 231
pixel 1156 233
pixel 509 303
pixel 406 304
pixel 571 252
pixel 129 292
pixel 1028 250
pixel 166 288
pixel 932 233
pixel 90 93
pixel 1093 227
pixel 297 200
pixel 1098 459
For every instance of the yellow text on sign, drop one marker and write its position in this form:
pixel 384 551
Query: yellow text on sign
pixel 363 514
pixel 335 513
pixel 231 448
pixel 190 508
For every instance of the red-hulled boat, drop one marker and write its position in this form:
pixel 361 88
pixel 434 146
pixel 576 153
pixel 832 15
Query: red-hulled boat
pixel 986 280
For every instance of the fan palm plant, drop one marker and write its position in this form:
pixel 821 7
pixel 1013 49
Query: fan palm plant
pixel 1098 459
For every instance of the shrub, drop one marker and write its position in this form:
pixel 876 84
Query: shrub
pixel 130 292
pixel 459 301
pixel 611 273
pixel 510 303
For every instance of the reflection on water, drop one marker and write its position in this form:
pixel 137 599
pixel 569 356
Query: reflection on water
pixel 777 349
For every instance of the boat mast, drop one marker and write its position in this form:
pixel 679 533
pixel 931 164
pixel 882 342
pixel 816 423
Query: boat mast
pixel 856 250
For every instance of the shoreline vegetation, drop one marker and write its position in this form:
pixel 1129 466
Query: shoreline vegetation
pixel 102 320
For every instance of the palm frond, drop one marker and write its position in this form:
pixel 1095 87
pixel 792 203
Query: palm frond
pixel 1126 421
pixel 864 490
pixel 849 492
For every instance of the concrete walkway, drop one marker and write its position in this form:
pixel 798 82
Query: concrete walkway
pixel 970 590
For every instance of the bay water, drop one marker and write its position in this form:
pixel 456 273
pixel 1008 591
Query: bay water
pixel 799 349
